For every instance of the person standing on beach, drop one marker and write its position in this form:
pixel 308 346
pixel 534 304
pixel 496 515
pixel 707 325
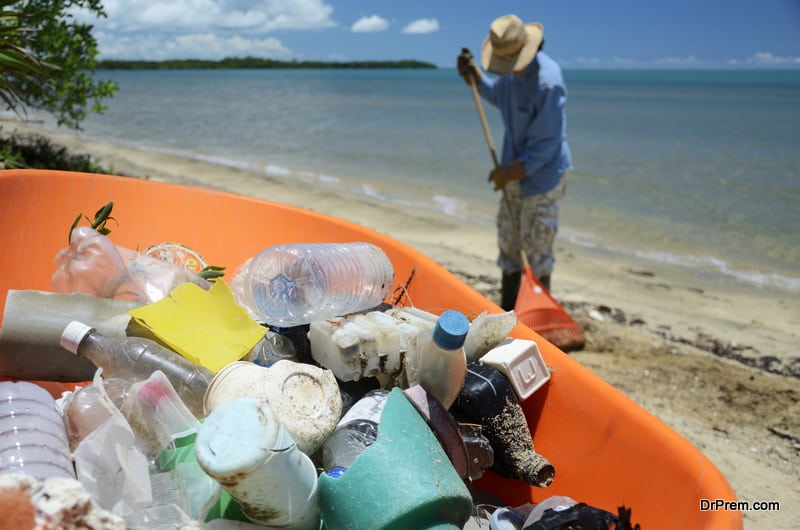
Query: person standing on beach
pixel 530 93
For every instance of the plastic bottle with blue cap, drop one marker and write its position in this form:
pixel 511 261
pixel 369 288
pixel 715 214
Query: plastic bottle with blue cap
pixel 437 361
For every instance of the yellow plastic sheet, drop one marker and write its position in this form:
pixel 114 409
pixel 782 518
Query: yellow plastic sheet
pixel 207 327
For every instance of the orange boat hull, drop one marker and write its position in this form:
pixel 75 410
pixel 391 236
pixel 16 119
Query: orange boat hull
pixel 607 450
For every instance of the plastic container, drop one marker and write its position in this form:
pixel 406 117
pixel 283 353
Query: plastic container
pixel 438 362
pixel 157 414
pixel 356 431
pixel 164 424
pixel 136 358
pixel 32 436
pixel 305 398
pixel 487 398
pixel 91 405
pixel 289 285
pixel 246 449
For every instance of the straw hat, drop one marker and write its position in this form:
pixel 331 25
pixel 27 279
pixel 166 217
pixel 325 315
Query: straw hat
pixel 511 45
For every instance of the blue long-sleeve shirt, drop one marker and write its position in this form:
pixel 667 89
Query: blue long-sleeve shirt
pixel 532 107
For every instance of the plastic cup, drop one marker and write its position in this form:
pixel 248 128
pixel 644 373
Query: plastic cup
pixel 33 439
pixel 21 458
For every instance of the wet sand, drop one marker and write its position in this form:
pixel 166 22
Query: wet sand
pixel 717 363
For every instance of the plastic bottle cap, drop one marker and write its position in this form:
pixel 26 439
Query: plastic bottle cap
pixel 451 330
pixel 336 472
pixel 73 334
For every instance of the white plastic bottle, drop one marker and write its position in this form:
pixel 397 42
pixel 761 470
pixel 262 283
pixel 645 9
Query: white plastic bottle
pixel 290 285
pixel 246 449
pixel 437 362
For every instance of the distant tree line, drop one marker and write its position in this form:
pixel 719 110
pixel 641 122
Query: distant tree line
pixel 251 62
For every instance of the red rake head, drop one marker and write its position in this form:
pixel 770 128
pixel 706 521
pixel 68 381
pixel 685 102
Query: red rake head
pixel 539 311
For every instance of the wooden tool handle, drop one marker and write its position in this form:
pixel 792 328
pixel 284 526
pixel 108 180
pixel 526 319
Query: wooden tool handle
pixel 486 132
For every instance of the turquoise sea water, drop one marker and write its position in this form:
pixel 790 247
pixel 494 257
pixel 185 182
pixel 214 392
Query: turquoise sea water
pixel 696 168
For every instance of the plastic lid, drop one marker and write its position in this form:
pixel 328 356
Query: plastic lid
pixel 73 334
pixel 451 330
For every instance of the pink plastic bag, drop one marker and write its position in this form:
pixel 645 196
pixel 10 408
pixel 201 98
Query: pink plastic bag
pixel 93 265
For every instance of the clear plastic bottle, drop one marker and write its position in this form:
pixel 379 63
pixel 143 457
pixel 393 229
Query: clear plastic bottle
pixel 290 285
pixel 437 362
pixel 356 431
pixel 136 358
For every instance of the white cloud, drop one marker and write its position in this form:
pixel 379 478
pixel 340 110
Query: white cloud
pixel 370 24
pixel 162 29
pixel 588 61
pixel 423 25
pixel 623 62
pixel 188 46
pixel 676 61
pixel 766 58
pixel 200 15
pixel 759 59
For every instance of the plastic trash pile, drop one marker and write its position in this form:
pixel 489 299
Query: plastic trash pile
pixel 292 397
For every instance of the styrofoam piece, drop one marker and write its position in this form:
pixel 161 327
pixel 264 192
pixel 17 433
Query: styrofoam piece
pixel 369 344
pixel 521 362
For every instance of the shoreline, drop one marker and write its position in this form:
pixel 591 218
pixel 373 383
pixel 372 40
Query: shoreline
pixel 715 362
pixel 583 275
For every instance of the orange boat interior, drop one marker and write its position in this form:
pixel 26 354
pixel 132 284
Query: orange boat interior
pixel 607 450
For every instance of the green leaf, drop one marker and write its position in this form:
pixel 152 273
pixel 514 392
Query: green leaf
pixel 103 214
pixel 74 225
pixel 211 272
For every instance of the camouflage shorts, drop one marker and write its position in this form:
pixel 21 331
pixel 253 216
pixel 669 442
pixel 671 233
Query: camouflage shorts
pixel 537 222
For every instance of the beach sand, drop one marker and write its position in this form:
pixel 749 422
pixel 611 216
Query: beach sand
pixel 717 363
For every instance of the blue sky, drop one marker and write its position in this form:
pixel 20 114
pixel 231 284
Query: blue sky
pixel 578 33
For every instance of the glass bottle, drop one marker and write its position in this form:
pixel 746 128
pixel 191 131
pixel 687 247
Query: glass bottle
pixel 488 398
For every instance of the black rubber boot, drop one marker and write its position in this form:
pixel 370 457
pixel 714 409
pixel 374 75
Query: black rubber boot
pixel 545 280
pixel 509 290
